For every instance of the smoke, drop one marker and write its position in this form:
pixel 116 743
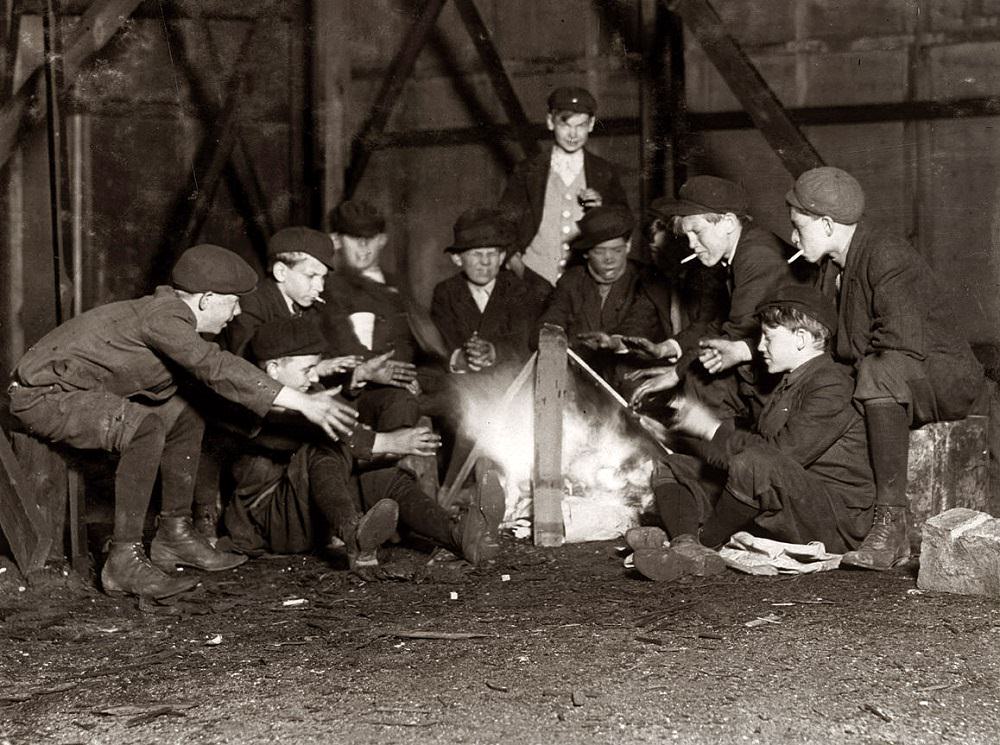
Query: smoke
pixel 606 470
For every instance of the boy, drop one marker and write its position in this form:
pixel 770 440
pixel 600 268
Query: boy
pixel 802 473
pixel 601 301
pixel 548 193
pixel 107 380
pixel 897 327
pixel 286 470
pixel 485 315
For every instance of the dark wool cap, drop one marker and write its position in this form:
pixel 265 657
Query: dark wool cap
pixel 287 337
pixel 482 227
pixel 301 240
pixel 356 218
pixel 830 192
pixel 208 268
pixel 601 224
pixel 806 299
pixel 703 195
pixel 570 98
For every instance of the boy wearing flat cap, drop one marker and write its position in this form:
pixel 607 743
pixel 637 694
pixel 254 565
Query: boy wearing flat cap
pixel 711 354
pixel 548 193
pixel 108 380
pixel 287 470
pixel 485 315
pixel 896 327
pixel 603 300
pixel 801 474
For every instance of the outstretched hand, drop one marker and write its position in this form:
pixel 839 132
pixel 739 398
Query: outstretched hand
pixel 654 379
pixel 718 355
pixel 335 417
pixel 386 371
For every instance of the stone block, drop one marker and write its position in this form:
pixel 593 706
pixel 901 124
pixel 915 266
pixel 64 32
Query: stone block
pixel 948 467
pixel 961 553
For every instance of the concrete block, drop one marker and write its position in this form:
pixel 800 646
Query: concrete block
pixel 961 553
pixel 949 467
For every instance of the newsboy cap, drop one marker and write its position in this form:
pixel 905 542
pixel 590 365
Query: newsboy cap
pixel 287 337
pixel 208 268
pixel 804 298
pixel 703 195
pixel 830 192
pixel 301 240
pixel 600 224
pixel 482 227
pixel 572 98
pixel 356 218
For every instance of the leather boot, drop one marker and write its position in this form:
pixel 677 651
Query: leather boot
pixel 886 544
pixel 473 538
pixel 177 543
pixel 128 570
pixel 206 521
pixel 684 557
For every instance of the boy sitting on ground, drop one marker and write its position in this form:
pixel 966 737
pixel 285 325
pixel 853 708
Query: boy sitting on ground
pixel 288 469
pixel 802 474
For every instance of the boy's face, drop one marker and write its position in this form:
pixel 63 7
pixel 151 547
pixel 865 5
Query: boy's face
pixel 479 265
pixel 298 372
pixel 215 311
pixel 357 253
pixel 570 130
pixel 302 282
pixel 812 235
pixel 711 241
pixel 782 348
pixel 607 260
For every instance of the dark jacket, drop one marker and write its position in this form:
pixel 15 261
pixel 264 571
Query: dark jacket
pixel 134 348
pixel 348 292
pixel 524 195
pixel 576 305
pixel 890 299
pixel 507 321
pixel 263 305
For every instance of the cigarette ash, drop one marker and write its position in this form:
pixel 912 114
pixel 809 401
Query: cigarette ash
pixel 606 470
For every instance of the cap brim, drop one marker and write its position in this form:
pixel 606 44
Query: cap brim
pixel 792 199
pixel 686 208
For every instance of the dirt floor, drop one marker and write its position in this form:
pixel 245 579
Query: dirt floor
pixel 551 645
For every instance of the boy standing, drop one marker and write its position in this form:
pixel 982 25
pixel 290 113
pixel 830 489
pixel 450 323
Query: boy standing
pixel 802 473
pixel 897 327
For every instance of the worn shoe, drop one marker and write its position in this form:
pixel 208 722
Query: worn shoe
pixel 206 522
pixel 492 501
pixel 646 537
pixel 471 536
pixel 684 557
pixel 886 545
pixel 177 543
pixel 376 526
pixel 128 570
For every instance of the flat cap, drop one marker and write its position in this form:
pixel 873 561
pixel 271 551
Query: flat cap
pixel 804 298
pixel 601 224
pixel 482 227
pixel 287 337
pixel 356 218
pixel 301 240
pixel 572 98
pixel 703 195
pixel 208 268
pixel 830 192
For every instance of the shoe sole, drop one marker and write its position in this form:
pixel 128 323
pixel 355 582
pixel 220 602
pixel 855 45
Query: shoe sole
pixel 119 592
pixel 645 537
pixel 170 564
pixel 377 525
pixel 660 565
pixel 852 561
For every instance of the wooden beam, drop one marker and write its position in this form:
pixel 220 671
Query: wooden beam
pixel 498 75
pixel 395 78
pixel 551 381
pixel 795 151
pixel 332 80
pixel 21 517
pixel 96 28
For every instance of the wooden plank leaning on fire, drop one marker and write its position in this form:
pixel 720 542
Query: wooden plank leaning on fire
pixel 449 490
pixel 630 413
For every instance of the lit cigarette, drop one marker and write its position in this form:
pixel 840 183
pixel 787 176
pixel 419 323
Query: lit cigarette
pixel 686 259
pixel 797 255
pixel 323 302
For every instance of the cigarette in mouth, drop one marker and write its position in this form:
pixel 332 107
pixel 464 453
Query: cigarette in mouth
pixel 688 258
pixel 323 302
pixel 794 257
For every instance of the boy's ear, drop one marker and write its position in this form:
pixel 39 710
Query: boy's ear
pixel 550 122
pixel 456 259
pixel 203 300
pixel 271 368
pixel 279 271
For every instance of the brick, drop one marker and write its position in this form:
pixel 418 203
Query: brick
pixel 961 553
pixel 948 468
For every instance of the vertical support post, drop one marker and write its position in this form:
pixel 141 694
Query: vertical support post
pixel 331 80
pixel 57 146
pixel 551 379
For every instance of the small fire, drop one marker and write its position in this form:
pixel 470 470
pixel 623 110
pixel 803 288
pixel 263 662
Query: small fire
pixel 606 471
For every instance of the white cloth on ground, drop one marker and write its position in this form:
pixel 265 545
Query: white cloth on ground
pixel 763 556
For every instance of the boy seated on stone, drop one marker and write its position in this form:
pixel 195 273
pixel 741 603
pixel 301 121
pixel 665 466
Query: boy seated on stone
pixel 602 301
pixel 801 474
pixel 485 315
pixel 288 471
